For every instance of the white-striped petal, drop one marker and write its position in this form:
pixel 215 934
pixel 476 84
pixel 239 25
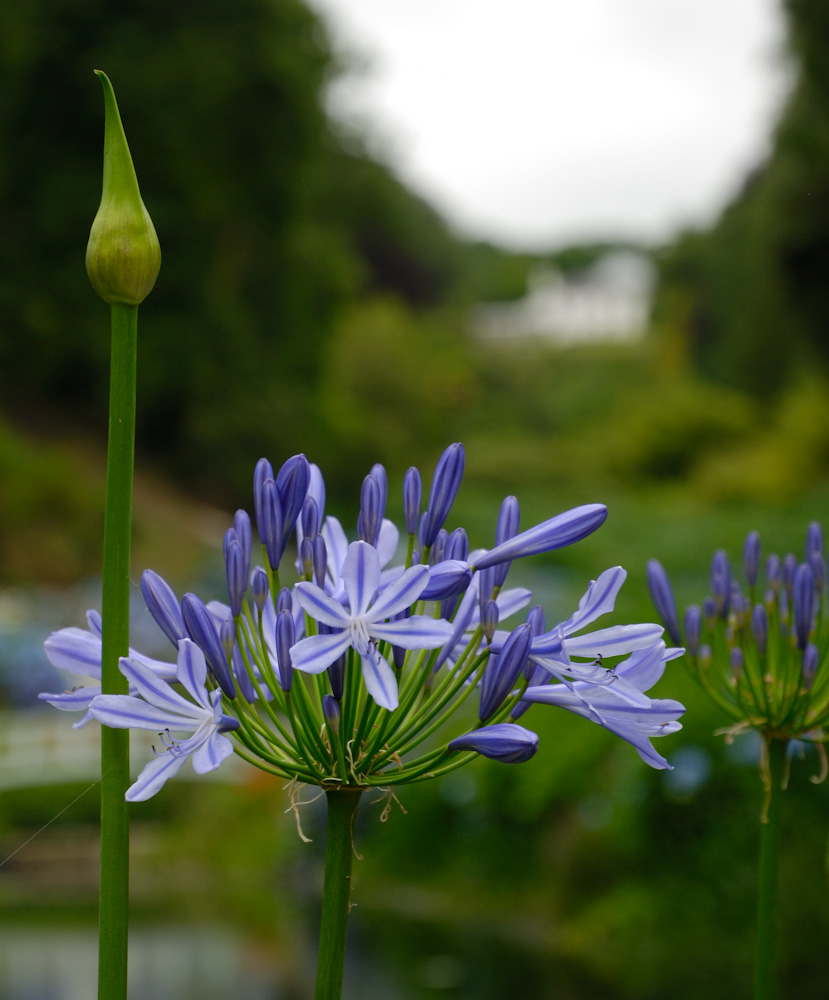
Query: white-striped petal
pixel 417 632
pixel 400 594
pixel 613 641
pixel 379 680
pixel 75 650
pixel 361 576
pixel 211 753
pixel 191 672
pixel 317 652
pixel 156 691
pixel 122 711
pixel 154 775
pixel 320 606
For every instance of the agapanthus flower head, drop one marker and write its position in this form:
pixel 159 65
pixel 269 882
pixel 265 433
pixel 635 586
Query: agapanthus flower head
pixel 759 655
pixel 337 679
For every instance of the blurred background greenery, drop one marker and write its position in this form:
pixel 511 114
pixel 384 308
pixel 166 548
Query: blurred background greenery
pixel 309 301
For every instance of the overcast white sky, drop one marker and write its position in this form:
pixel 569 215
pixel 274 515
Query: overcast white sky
pixel 535 123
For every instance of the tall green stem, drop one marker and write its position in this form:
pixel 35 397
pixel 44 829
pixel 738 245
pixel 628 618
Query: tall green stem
pixel 767 874
pixel 336 893
pixel 115 777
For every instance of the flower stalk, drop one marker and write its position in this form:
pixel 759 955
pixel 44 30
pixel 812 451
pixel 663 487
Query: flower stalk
pixel 336 895
pixel 122 261
pixel 115 765
pixel 775 753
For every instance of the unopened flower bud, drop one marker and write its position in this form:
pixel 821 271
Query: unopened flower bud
pixel 331 712
pixel 811 661
pixel 123 255
pixel 751 557
pixel 760 627
pixel 489 619
pixel 260 587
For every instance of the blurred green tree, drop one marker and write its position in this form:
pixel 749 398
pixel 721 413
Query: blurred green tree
pixel 268 221
pixel 753 295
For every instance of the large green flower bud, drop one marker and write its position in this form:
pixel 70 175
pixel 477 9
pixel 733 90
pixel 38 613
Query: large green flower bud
pixel 123 256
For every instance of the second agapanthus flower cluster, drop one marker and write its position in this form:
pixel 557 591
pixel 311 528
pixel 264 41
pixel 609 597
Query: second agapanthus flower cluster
pixel 760 649
pixel 336 680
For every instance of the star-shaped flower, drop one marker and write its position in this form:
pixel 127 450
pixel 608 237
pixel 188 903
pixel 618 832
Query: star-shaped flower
pixel 364 622
pixel 165 711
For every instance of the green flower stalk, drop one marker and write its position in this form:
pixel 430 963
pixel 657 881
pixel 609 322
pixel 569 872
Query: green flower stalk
pixel 122 260
pixel 762 654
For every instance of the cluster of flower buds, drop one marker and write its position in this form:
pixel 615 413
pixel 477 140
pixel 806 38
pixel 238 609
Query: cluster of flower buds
pixel 760 651
pixel 336 679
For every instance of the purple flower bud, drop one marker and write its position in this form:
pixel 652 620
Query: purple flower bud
pixel 227 637
pixel 260 586
pixel 320 561
pixel 270 523
pixel 816 562
pixel 760 628
pixel 559 531
pixel 709 611
pixel 693 628
pixel 536 621
pixel 814 541
pixel 445 485
pixel 506 742
pixel 486 585
pixel 509 518
pixel 241 525
pixel 235 571
pixel 262 472
pixel 163 605
pixel 306 556
pixel 789 570
pixel 503 670
pixel 411 499
pixel 292 483
pixel 457 547
pixel 371 513
pixel 811 662
pixel 379 473
pixel 773 572
pixel 284 640
pixel 310 518
pixel 751 557
pixel 448 579
pixel 721 582
pixel 783 609
pixel 331 712
pixel 663 598
pixel 202 630
pixel 436 554
pixel 804 602
pixel 489 619
pixel 735 660
pixel 284 600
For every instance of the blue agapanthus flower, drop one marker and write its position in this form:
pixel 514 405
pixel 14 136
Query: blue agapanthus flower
pixel 337 677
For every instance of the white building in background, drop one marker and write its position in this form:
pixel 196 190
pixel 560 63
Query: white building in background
pixel 606 302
